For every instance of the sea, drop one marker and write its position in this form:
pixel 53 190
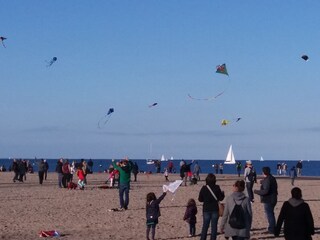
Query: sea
pixel 310 168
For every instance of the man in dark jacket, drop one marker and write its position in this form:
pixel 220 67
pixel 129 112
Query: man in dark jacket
pixel 41 170
pixel 268 193
pixel 297 218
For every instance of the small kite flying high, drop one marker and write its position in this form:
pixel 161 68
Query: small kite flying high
pixel 305 57
pixel 2 39
pixel 52 61
pixel 152 105
pixel 222 69
pixel 106 117
pixel 225 122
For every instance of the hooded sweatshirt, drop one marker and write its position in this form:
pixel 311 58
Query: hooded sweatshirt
pixel 297 218
pixel 237 198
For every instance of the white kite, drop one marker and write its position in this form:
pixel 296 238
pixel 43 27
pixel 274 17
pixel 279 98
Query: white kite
pixel 172 187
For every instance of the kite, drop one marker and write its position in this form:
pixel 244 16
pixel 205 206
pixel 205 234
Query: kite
pixel 305 57
pixel 152 105
pixel 106 117
pixel 52 61
pixel 225 122
pixel 2 39
pixel 222 69
pixel 172 187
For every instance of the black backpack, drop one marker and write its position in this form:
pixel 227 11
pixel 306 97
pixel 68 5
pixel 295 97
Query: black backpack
pixel 237 218
pixel 252 175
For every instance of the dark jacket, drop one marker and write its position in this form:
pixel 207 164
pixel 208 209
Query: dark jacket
pixel 268 190
pixel 297 218
pixel 190 214
pixel 209 202
pixel 59 167
pixel 153 210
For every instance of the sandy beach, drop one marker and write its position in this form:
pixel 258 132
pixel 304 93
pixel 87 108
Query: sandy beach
pixel 28 208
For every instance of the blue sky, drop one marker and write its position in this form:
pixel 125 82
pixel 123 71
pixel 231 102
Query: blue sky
pixel 130 54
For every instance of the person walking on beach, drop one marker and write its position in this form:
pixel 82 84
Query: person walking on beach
pixel 210 208
pixel 250 177
pixel 293 174
pixel 124 167
pixel 190 216
pixel 239 198
pixel 297 218
pixel 153 212
pixel 268 193
pixel 41 170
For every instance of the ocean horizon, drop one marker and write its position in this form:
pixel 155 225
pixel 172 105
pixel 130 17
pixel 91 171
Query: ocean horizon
pixel 310 167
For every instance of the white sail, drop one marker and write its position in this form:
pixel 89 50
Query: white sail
pixel 230 157
pixel 163 158
pixel 261 158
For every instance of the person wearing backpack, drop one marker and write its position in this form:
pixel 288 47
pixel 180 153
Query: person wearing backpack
pixel 250 177
pixel 237 216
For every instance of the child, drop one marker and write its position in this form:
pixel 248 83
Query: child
pixel 81 177
pixel 113 176
pixel 166 174
pixel 153 212
pixel 190 216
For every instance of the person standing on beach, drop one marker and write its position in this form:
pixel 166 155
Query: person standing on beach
pixel 41 170
pixel 135 170
pixel 153 212
pixel 210 208
pixel 190 216
pixel 268 193
pixel 250 177
pixel 15 169
pixel 299 168
pixel 196 171
pixel 297 218
pixel 59 172
pixel 239 198
pixel 124 167
pixel 46 169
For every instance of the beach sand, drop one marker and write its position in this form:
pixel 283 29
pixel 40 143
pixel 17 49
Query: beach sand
pixel 28 208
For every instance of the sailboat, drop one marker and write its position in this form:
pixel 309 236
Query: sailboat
pixel 163 158
pixel 261 159
pixel 230 157
pixel 150 161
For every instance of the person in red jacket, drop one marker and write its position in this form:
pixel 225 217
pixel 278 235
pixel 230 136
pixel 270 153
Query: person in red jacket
pixel 81 177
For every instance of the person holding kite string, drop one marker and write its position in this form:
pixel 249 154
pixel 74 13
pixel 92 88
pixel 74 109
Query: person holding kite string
pixel 153 212
pixel 124 167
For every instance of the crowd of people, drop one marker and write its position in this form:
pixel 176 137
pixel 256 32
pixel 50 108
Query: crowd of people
pixel 295 213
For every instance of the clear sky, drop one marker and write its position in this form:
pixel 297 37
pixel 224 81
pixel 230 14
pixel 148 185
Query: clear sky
pixel 130 54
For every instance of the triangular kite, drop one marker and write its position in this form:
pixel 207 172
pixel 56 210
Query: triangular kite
pixel 172 187
pixel 222 69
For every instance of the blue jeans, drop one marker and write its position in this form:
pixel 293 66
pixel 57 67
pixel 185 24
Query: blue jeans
pixel 269 211
pixel 207 218
pixel 124 195
pixel 60 175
